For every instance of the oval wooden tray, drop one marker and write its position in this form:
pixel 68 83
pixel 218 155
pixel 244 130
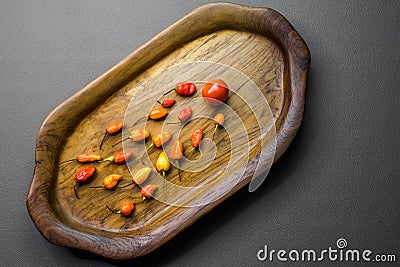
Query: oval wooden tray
pixel 258 42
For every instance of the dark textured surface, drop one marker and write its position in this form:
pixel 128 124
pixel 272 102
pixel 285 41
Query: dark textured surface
pixel 339 178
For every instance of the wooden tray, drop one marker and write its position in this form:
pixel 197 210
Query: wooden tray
pixel 258 42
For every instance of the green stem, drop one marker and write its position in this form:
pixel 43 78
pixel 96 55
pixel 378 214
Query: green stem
pixel 110 158
pixel 113 211
pixel 215 130
pixel 121 141
pixel 179 170
pixel 99 186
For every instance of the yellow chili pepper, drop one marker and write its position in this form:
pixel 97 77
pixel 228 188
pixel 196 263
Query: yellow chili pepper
pixel 141 175
pixel 162 163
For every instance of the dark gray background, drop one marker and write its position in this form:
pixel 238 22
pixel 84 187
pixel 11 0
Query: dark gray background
pixel 339 178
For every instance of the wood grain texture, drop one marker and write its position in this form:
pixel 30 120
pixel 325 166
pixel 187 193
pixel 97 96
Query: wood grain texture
pixel 258 42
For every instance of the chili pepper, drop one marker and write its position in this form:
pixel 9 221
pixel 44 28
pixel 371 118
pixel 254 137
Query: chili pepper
pixel 141 175
pixel 215 92
pixel 136 136
pixel 148 191
pixel 118 157
pixel 81 176
pixel 219 120
pixel 109 181
pixel 84 158
pixel 167 103
pixel 184 115
pixel 162 163
pixel 176 154
pixel 154 114
pixel 197 136
pixel 184 88
pixel 160 139
pixel 125 209
pixel 112 128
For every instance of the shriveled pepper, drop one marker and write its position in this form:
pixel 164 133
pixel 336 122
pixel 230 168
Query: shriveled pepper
pixel 136 135
pixel 176 154
pixel 110 181
pixel 166 103
pixel 148 191
pixel 112 128
pixel 118 157
pixel 162 163
pixel 85 158
pixel 184 115
pixel 81 177
pixel 197 136
pixel 125 208
pixel 219 120
pixel 184 88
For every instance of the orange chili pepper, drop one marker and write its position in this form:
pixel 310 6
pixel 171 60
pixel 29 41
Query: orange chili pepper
pixel 118 157
pixel 136 135
pixel 177 154
pixel 219 120
pixel 160 139
pixel 112 128
pixel 148 191
pixel 157 113
pixel 125 209
pixel 81 177
pixel 109 181
pixel 84 158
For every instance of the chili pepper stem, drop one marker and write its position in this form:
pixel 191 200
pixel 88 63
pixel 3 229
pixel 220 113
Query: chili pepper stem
pixel 169 91
pixel 144 118
pixel 174 122
pixel 215 130
pixel 131 183
pixel 99 186
pixel 75 187
pixel 191 150
pixel 121 141
pixel 102 140
pixel 113 211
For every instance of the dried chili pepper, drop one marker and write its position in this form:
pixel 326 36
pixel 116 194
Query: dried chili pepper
pixel 118 157
pixel 176 154
pixel 148 191
pixel 197 136
pixel 81 177
pixel 184 115
pixel 110 181
pixel 125 209
pixel 184 88
pixel 219 120
pixel 166 103
pixel 136 135
pixel 111 129
pixel 84 158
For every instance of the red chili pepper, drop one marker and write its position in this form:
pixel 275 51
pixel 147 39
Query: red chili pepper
pixel 215 92
pixel 219 120
pixel 197 136
pixel 148 191
pixel 112 128
pixel 118 157
pixel 184 88
pixel 184 115
pixel 81 176
pixel 84 158
pixel 167 103
pixel 177 154
pixel 125 209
